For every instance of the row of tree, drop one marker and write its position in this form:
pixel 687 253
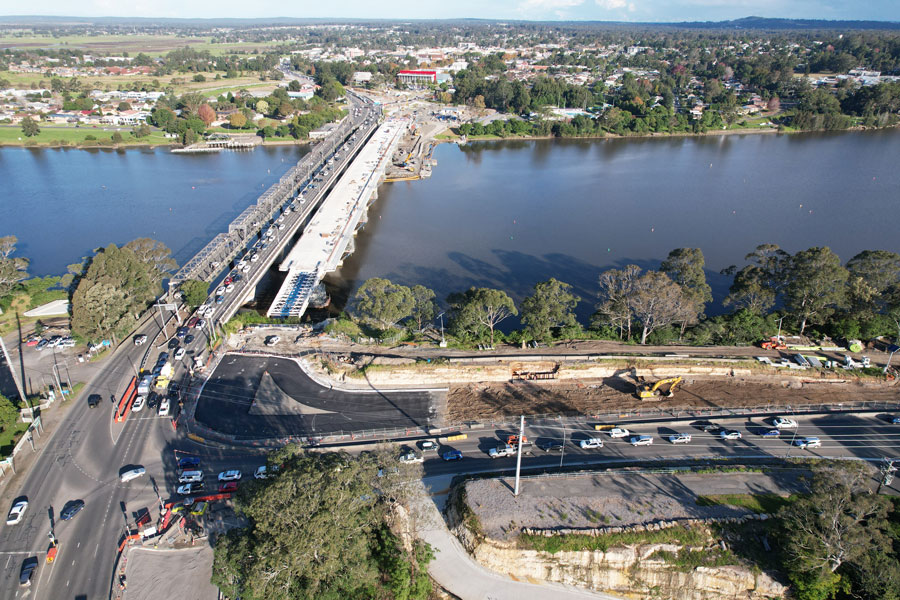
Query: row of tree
pixel 810 288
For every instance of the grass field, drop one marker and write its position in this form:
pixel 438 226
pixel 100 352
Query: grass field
pixel 152 45
pixel 758 503
pixel 11 135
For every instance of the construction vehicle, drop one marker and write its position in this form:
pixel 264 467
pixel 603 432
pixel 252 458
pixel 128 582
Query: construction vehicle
pixel 513 440
pixel 774 343
pixel 662 387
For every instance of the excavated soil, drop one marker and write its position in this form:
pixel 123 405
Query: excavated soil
pixel 484 401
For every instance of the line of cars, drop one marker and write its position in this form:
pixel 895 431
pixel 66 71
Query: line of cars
pixel 56 341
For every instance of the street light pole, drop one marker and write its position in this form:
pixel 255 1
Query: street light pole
pixel 519 452
pixel 443 343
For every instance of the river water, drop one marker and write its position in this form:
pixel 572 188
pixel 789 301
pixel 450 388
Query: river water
pixel 62 204
pixel 499 214
pixel 511 214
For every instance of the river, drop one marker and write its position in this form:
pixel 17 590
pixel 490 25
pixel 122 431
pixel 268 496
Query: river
pixel 511 214
pixel 499 214
pixel 63 203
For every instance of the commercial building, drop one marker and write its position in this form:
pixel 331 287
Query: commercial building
pixel 417 77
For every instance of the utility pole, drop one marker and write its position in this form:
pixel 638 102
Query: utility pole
pixel 519 453
pixel 443 343
pixel 12 372
pixel 887 469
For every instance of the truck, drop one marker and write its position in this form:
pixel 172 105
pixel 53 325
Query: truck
pixel 501 451
pixel 145 385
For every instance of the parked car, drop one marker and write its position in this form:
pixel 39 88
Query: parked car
pixel 71 509
pixel 29 565
pixel 17 512
pixel 641 440
pixel 188 462
pixel 232 475
pixel 591 443
pixel 272 340
pixel 771 433
pixel 181 332
pixel 138 405
pixel 132 474
pixel 190 476
pixel 784 423
pixel 41 345
pixel 179 354
pixel 895 420
pixel 230 486
pixel 188 339
pixel 190 488
pixel 680 438
pixel 619 432
pixel 808 442
pixel 261 472
pixel 452 455
pixel 730 434
pixel 192 322
pixel 173 343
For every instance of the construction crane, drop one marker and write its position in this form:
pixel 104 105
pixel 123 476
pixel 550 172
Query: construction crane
pixel 653 390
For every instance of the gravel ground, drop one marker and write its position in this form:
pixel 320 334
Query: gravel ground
pixel 183 574
pixel 602 500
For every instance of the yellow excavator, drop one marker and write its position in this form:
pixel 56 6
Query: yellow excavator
pixel 662 387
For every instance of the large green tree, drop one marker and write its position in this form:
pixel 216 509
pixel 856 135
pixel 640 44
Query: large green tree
pixel 30 127
pixel 685 266
pixel 816 286
pixel 424 307
pixel 195 292
pixel 751 291
pixel 552 305
pixel 118 285
pixel 317 529
pixel 12 270
pixel 382 303
pixel 478 310
pixel 838 523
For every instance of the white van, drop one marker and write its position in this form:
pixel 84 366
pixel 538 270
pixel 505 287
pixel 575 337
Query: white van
pixel 190 476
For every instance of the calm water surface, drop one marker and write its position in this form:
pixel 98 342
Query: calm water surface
pixel 62 204
pixel 511 214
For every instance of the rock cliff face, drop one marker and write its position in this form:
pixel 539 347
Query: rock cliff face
pixel 629 572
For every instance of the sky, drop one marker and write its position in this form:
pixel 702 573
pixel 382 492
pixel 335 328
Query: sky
pixel 603 10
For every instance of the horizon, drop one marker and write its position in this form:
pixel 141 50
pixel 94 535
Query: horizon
pixel 615 11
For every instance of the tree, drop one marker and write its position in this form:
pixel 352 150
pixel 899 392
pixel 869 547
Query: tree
pixel 837 523
pixel 237 120
pixel 773 105
pixel 199 78
pixel 749 291
pixel 382 303
pixel 424 307
pixel 123 106
pixel 478 102
pixel 116 138
pixel 154 254
pixel 206 113
pixel 9 412
pixel 616 286
pixel 118 285
pixel 30 127
pixel 478 309
pixel 552 305
pixel 12 270
pixel 686 268
pixel 878 268
pixel 262 107
pixel 817 285
pixel 657 301
pixel 195 292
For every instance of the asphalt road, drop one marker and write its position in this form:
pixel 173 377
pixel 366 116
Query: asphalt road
pixel 264 397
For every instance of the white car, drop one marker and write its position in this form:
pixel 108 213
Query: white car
pixel 783 423
pixel 164 407
pixel 618 432
pixel 261 472
pixel 680 438
pixel 179 354
pixel 428 446
pixel 272 340
pixel 132 474
pixel 591 443
pixel 190 476
pixel 220 291
pixel 641 440
pixel 16 512
pixel 808 442
pixel 229 287
pixel 138 405
pixel 140 339
pixel 730 434
pixel 232 475
pixel 412 457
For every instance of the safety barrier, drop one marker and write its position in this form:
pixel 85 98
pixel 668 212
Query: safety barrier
pixel 124 406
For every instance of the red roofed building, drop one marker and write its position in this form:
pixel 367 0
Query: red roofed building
pixel 414 77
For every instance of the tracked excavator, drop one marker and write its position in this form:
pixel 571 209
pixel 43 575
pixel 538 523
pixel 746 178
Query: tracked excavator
pixel 663 387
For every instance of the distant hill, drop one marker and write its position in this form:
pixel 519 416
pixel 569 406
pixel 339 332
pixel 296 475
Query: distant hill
pixel 746 23
pixel 763 23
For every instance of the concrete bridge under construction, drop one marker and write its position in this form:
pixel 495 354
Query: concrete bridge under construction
pixel 324 198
